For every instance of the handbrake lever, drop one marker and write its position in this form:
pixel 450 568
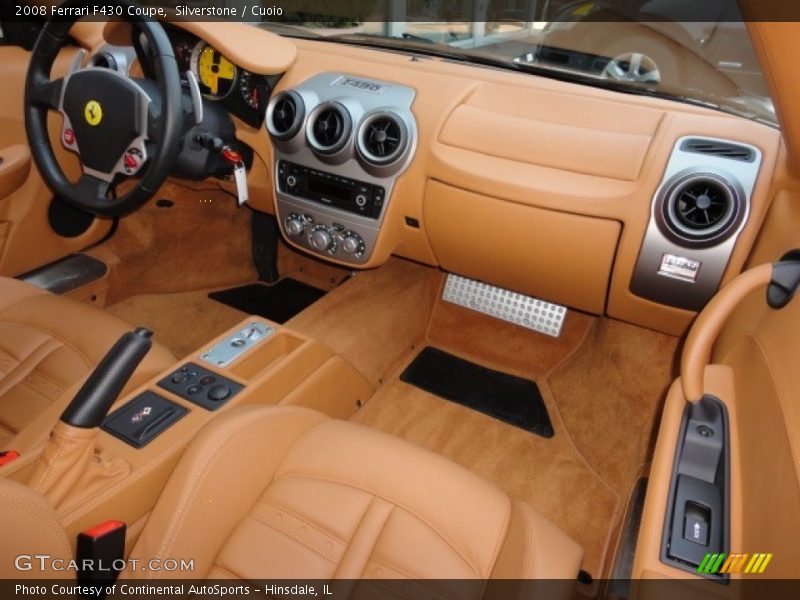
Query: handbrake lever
pixel 92 402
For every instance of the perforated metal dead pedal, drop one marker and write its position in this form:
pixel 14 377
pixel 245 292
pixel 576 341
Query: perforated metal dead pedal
pixel 525 311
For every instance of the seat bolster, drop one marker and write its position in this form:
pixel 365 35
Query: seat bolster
pixel 29 527
pixel 14 291
pixel 218 481
pixel 536 549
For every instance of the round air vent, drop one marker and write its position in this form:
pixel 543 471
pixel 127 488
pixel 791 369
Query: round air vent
pixel 381 138
pixel 285 115
pixel 329 128
pixel 702 207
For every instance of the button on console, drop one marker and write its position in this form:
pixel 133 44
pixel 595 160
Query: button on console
pixel 218 393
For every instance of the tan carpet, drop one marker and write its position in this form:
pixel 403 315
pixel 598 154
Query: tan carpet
pixel 375 318
pixel 183 322
pixel 203 241
pixel 610 394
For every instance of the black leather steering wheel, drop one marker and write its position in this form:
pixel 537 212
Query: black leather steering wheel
pixel 117 125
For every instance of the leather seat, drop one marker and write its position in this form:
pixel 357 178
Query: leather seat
pixel 48 344
pixel 269 492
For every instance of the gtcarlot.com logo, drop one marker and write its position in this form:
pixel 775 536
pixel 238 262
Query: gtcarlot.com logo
pixel 45 562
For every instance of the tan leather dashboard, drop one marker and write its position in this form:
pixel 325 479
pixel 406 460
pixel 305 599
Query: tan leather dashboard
pixel 564 174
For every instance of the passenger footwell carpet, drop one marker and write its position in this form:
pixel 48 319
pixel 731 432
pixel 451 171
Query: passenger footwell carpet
pixel 512 399
pixel 278 302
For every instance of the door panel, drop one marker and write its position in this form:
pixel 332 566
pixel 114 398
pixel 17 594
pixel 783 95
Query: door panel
pixel 26 238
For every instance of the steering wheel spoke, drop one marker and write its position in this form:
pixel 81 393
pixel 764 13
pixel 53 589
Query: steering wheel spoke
pixel 47 94
pixel 89 186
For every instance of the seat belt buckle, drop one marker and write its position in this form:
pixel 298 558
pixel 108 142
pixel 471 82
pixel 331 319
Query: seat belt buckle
pixel 8 456
pixel 100 553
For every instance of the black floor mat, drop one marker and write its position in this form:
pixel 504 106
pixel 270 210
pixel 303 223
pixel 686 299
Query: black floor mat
pixel 506 397
pixel 278 302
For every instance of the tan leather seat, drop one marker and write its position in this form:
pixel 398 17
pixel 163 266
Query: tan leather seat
pixel 284 492
pixel 48 344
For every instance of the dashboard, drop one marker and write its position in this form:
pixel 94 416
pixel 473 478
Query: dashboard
pixel 637 208
pixel 243 93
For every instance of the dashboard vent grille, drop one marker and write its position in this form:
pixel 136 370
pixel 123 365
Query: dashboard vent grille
pixel 382 138
pixel 702 208
pixel 285 115
pixel 717 148
pixel 330 128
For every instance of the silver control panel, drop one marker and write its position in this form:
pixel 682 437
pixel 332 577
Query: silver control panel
pixel 697 214
pixel 340 143
pixel 225 352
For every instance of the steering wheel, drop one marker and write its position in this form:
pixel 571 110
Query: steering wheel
pixel 116 125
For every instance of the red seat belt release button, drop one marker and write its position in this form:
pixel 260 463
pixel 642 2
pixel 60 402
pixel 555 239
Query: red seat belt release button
pixel 100 553
pixel 8 456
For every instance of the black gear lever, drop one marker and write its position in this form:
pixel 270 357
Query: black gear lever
pixel 92 402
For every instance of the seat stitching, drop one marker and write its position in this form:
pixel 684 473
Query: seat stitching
pixel 22 361
pixel 25 374
pixel 392 501
pixel 7 427
pixel 211 459
pixel 292 538
pixel 78 351
pixel 24 505
pixel 292 513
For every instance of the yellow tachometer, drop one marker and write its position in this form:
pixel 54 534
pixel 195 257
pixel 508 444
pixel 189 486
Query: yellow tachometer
pixel 215 73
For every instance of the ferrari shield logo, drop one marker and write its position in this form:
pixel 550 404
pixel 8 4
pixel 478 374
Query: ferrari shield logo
pixel 93 112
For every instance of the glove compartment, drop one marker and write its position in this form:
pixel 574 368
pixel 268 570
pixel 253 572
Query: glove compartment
pixel 556 256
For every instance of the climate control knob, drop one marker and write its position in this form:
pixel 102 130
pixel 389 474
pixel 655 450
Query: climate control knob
pixel 321 239
pixel 352 243
pixel 294 225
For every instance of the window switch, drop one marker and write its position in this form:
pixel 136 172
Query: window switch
pixel 695 523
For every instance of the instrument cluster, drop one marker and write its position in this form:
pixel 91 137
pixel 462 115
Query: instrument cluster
pixel 243 93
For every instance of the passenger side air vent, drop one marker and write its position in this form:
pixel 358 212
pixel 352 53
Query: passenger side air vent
pixel 701 207
pixel 718 148
pixel 285 115
pixel 381 138
pixel 329 128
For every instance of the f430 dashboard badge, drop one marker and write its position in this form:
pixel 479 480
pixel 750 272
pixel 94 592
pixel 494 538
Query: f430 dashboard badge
pixel 360 84
pixel 679 267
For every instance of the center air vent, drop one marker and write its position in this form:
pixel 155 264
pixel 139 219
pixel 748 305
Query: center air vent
pixel 702 207
pixel 381 138
pixel 285 115
pixel 329 128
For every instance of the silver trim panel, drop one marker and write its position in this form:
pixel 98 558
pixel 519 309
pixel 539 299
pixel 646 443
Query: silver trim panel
pixel 362 99
pixel 707 260
pixel 232 347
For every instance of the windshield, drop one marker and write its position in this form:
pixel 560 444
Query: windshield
pixel 633 45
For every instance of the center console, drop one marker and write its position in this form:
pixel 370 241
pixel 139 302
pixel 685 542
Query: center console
pixel 138 444
pixel 340 144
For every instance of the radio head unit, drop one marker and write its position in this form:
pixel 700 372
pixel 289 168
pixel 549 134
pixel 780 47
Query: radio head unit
pixel 330 189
